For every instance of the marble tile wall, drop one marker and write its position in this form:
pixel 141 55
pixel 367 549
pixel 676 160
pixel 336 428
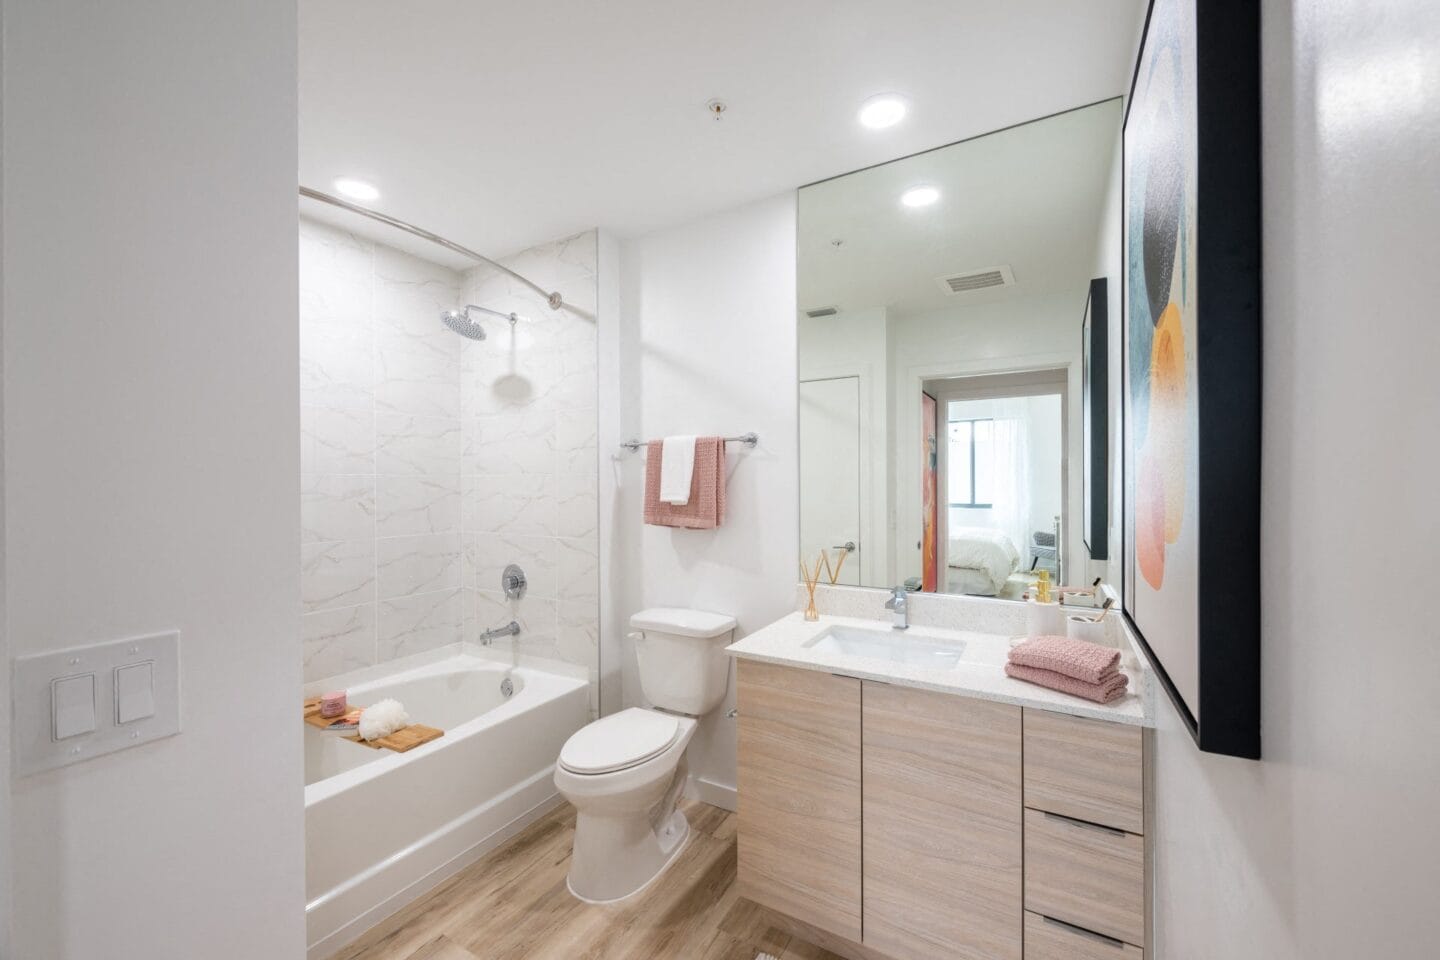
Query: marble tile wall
pixel 529 467
pixel 431 461
pixel 380 462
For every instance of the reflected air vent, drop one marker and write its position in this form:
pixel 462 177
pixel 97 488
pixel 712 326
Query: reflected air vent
pixel 973 280
pixel 822 312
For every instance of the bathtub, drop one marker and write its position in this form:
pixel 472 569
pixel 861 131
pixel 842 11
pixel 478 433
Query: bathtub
pixel 382 827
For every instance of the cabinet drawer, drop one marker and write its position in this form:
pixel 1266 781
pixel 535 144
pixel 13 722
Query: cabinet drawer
pixel 1047 939
pixel 1087 769
pixel 1086 875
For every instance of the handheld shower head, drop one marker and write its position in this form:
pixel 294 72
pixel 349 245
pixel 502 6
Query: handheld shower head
pixel 461 322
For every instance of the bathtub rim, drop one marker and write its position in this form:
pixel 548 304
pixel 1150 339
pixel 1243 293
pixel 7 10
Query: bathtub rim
pixel 538 686
pixel 494 654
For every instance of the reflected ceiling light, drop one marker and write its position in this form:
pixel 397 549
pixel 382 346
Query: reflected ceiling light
pixel 919 196
pixel 883 111
pixel 356 189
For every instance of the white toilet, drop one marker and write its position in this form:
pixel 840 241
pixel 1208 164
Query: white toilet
pixel 625 772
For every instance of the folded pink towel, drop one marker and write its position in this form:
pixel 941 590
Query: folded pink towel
pixel 1112 688
pixel 705 509
pixel 1079 659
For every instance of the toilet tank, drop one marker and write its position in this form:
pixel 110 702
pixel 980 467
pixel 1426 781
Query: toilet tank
pixel 681 654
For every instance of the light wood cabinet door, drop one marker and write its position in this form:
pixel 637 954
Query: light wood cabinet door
pixel 943 843
pixel 799 794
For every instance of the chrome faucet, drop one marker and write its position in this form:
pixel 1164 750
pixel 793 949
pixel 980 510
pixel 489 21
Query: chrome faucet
pixel 901 606
pixel 511 629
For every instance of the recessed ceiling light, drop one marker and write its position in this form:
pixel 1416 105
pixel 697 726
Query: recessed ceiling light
pixel 883 111
pixel 919 196
pixel 356 189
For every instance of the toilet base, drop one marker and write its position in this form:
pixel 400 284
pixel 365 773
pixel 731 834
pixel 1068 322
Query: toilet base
pixel 657 853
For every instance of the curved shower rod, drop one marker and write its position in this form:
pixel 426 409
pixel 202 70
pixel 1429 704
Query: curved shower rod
pixel 552 297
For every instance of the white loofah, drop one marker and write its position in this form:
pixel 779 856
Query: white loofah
pixel 382 719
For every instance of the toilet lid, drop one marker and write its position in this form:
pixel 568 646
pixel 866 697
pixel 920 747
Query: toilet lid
pixel 618 741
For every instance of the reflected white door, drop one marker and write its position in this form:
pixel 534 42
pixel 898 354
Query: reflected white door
pixel 830 471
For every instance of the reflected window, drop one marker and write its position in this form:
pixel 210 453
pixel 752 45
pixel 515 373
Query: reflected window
pixel 971 462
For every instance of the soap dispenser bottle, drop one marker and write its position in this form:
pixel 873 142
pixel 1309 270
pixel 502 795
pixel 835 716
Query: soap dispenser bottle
pixel 1043 614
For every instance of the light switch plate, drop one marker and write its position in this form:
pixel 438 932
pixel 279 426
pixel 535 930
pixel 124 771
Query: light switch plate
pixel 39 711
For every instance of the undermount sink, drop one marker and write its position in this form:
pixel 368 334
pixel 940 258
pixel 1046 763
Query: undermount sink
pixel 889 645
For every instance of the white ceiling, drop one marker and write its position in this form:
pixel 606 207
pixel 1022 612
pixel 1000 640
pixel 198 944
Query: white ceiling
pixel 1029 198
pixel 503 124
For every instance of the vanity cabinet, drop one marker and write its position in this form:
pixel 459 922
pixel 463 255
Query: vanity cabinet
pixel 891 823
pixel 799 784
pixel 942 812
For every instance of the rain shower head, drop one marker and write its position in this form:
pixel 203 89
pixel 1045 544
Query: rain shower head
pixel 467 326
pixel 461 323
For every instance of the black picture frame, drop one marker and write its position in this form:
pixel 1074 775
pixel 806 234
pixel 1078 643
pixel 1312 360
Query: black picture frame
pixel 1225 719
pixel 1095 421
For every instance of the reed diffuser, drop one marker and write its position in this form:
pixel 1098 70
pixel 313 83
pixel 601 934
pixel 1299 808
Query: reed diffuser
pixel 834 574
pixel 812 580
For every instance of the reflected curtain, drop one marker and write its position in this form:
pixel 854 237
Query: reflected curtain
pixel 1009 481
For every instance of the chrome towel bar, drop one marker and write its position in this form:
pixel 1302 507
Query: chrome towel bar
pixel 749 439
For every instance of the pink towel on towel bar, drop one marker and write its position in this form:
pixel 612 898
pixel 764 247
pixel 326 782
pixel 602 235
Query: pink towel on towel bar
pixel 1085 661
pixel 1113 688
pixel 705 509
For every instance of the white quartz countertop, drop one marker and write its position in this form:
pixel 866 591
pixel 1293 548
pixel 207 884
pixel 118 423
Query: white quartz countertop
pixel 980 672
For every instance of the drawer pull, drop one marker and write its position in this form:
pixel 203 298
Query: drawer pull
pixel 1082 932
pixel 1085 823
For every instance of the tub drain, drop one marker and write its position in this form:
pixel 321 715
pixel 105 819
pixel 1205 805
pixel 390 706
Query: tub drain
pixel 507 687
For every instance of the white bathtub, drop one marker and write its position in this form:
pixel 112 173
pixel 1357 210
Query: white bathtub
pixel 381 827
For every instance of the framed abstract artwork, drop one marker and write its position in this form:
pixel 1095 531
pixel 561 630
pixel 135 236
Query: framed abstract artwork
pixel 1095 419
pixel 1191 342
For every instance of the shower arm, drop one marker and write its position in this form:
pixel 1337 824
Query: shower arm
pixel 512 317
pixel 552 297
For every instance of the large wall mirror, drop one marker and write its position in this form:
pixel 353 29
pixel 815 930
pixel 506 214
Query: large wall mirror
pixel 948 367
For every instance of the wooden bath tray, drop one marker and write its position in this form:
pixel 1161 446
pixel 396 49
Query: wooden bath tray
pixel 406 738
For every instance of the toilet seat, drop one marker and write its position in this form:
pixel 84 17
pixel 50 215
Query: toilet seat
pixel 619 741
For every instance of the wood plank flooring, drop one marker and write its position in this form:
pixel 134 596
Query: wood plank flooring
pixel 513 904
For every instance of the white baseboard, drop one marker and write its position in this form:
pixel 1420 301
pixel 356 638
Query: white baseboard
pixel 722 795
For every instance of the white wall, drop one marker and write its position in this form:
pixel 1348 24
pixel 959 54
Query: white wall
pixel 712 307
pixel 151 447
pixel 1328 848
